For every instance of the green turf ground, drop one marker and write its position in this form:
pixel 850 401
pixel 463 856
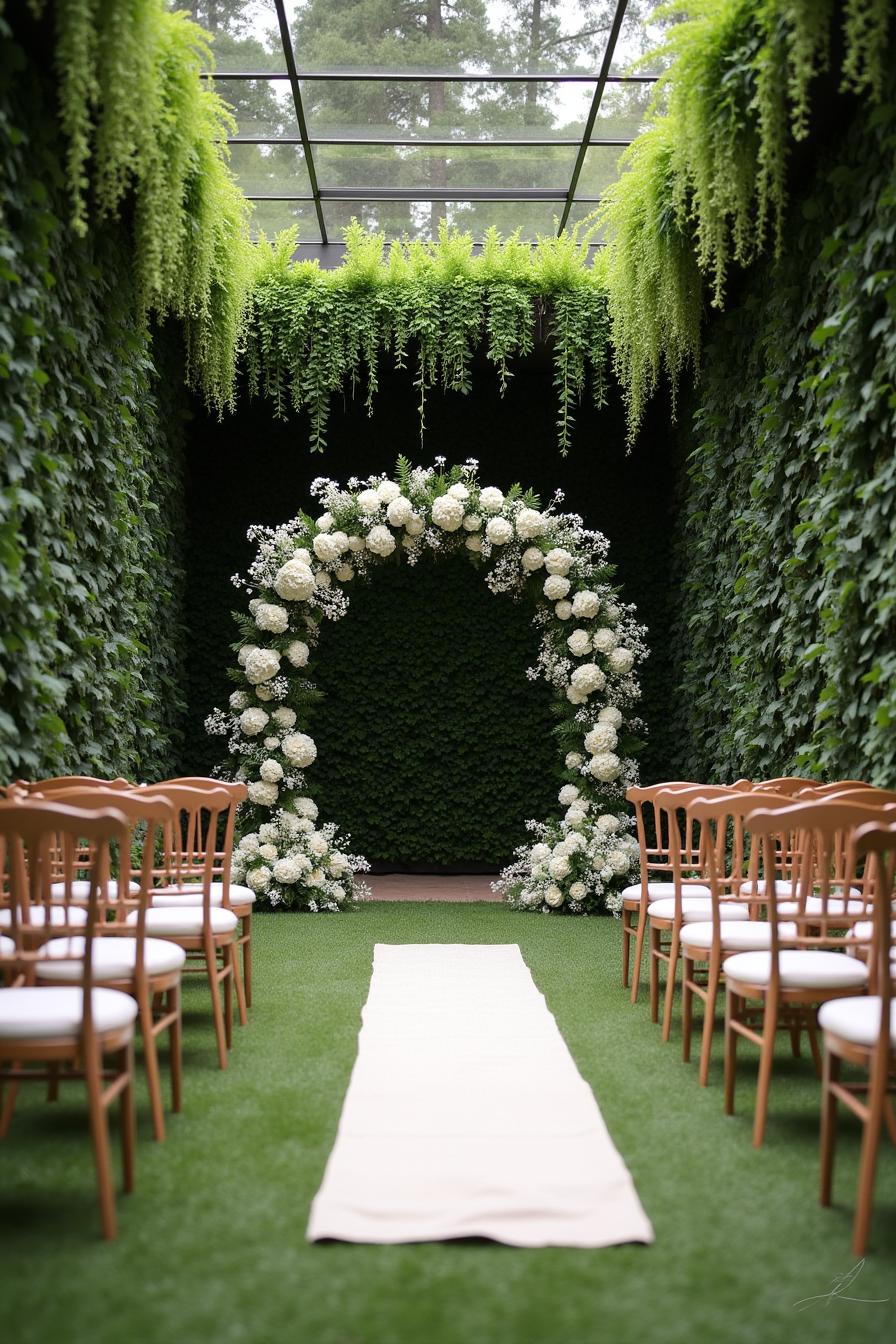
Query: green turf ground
pixel 212 1243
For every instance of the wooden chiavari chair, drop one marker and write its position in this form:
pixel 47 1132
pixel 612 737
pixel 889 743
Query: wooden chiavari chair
pixel 839 785
pixel 806 964
pixel 46 787
pixel 787 785
pixel 207 931
pixel 231 895
pixel 862 1032
pixel 77 1026
pixel 149 969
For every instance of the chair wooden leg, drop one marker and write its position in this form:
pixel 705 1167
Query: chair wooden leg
pixel 712 994
pixel 211 966
pixel 890 1118
pixel 813 1041
pixel 639 953
pixel 175 1047
pixel 247 958
pixel 671 979
pixel 239 987
pixel 654 974
pixel 228 961
pixel 877 1091
pixel 10 1092
pixel 627 929
pixel 795 1040
pixel 730 1050
pixel 153 1076
pixel 830 1073
pixel 766 1060
pixel 53 1083
pixel 99 1137
pixel 128 1119
pixel 687 1001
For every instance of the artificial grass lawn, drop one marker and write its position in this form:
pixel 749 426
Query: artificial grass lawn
pixel 211 1245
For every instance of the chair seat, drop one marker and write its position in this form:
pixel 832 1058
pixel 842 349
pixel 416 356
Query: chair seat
pixel 80 890
pixel 72 916
pixel 751 935
pixel 782 888
pixel 856 1019
pixel 657 890
pixel 799 969
pixel 7 947
pixel 34 1013
pixel 815 906
pixel 185 921
pixel 168 897
pixel 113 958
pixel 695 910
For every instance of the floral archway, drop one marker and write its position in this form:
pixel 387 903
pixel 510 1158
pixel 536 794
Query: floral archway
pixel 591 644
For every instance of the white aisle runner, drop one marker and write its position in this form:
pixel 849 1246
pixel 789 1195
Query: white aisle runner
pixel 466 1116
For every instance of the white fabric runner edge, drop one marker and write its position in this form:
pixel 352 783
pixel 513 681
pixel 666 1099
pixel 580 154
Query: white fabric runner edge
pixel 466 1116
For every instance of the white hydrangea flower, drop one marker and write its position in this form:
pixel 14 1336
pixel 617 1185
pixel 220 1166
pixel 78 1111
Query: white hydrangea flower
pixel 559 865
pixel 267 831
pixel 459 492
pixel 532 559
pixel 271 743
pixel 613 612
pixel 338 863
pixel 575 696
pixel 356 544
pixel 303 554
pixel 316 877
pixel 539 852
pixel 587 678
pixel 491 499
pixel 254 605
pixel 607 823
pixel 472 522
pixel 554 897
pixel 345 573
pixel 262 665
pixel 621 661
pixel 271 771
pixel 239 700
pixel 610 714
pixel 284 717
pixel 287 871
pixel 249 843
pixel 245 654
pixel 573 759
pixel 605 766
pixel 323 579
pixel 305 807
pixel 317 844
pixel 578 891
pixel 563 610
pixel 474 542
pixel 294 581
pixel 415 525
pixel 579 643
pixel 368 501
pixel 619 861
pixel 575 842
pixel 604 640
pixel 529 523
pixel 602 737
pixel 586 603
pixel 263 693
pixel 253 721
pixel 299 749
pixel 498 531
pixel 326 548
pixel 387 491
pixel 304 825
pixel 568 794
pixel 258 878
pixel 556 587
pixel 297 652
pixel 558 561
pixel 341 540
pixel 338 893
pixel 262 793
pixel 575 816
pixel 447 513
pixel 268 852
pixel 325 522
pixel 380 540
pixel 399 511
pixel 268 616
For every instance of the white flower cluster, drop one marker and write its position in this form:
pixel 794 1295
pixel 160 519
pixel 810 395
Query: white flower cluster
pixel 300 577
pixel 294 864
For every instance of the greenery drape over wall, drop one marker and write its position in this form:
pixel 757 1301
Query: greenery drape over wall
pixel 787 556
pixel 91 520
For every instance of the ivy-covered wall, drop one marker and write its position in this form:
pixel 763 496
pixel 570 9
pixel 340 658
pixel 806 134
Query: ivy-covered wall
pixel 786 567
pixel 91 496
pixel 433 746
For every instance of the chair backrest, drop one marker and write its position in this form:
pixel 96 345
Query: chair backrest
pixel 30 834
pixel 871 797
pixel 878 844
pixel 45 787
pixel 237 793
pixel 786 784
pixel 190 841
pixel 838 785
pixel 655 836
pixel 725 842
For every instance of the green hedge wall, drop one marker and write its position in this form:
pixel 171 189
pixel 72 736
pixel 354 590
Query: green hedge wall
pixel 786 634
pixel 91 516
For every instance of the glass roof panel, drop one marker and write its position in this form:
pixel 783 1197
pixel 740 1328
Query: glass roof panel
pixel 599 169
pixel 623 111
pixel 419 219
pixel 245 33
pixel 262 107
pixel 427 167
pixel 270 170
pixel 271 217
pixel 636 36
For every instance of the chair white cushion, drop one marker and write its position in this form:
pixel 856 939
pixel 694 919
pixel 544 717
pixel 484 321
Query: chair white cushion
pixel 113 958
pixel 166 897
pixel 864 929
pixel 80 890
pixel 782 888
pixel 751 935
pixel 60 917
pixel 800 969
pixel 185 921
pixel 657 890
pixel 695 910
pixel 7 947
pixel 856 1019
pixel 32 1013
pixel 815 906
